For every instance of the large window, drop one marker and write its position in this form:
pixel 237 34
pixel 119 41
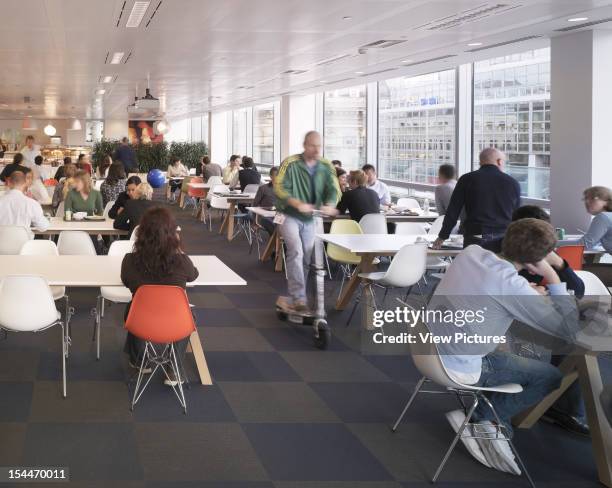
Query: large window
pixel 344 126
pixel 263 135
pixel 416 127
pixel 239 132
pixel 512 113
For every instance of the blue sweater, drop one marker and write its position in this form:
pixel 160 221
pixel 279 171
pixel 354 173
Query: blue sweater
pixel 489 197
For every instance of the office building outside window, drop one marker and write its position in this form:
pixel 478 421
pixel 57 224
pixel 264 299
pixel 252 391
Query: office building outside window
pixel 512 113
pixel 239 132
pixel 416 127
pixel 344 126
pixel 263 135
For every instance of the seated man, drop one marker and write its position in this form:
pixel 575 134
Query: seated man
pixel 248 175
pixel 382 190
pixel 359 200
pixel 18 209
pixel 17 165
pixel 266 198
pixel 478 279
pixel 446 185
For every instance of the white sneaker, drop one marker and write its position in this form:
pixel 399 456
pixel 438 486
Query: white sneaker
pixel 456 419
pixel 498 452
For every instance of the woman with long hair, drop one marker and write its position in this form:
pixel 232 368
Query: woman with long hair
pixel 157 259
pixel 83 197
pixel 105 164
pixel 114 183
pixel 598 202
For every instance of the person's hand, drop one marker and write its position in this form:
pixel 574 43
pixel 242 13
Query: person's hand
pixel 555 261
pixel 305 208
pixel 437 245
pixel 540 289
pixel 329 210
pixel 119 210
pixel 545 270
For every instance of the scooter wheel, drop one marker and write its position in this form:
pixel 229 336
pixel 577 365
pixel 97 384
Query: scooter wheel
pixel 281 315
pixel 323 336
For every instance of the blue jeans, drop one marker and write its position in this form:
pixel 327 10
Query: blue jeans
pixel 537 378
pixel 299 237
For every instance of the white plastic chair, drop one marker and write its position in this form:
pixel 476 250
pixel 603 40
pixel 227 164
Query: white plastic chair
pixel 410 229
pixel 75 243
pixel 134 234
pixel 593 286
pixel 217 203
pixel 405 271
pixel 374 224
pixel 436 227
pixel 27 305
pixel 12 239
pixel 251 189
pixel 409 203
pixel 426 359
pixel 107 208
pixel 113 294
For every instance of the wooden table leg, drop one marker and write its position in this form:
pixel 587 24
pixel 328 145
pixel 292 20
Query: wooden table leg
pixel 366 266
pixel 278 259
pixel 225 221
pixel 270 246
pixel 200 360
pixel 201 202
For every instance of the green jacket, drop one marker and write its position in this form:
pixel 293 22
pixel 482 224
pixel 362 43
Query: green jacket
pixel 293 181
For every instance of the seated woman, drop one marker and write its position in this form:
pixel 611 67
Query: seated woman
pixel 158 259
pixel 176 169
pixel 64 185
pixel 123 197
pixel 114 183
pixel 135 208
pixel 359 200
pixel 598 202
pixel 35 188
pixel 342 179
pixel 83 197
pixel 105 164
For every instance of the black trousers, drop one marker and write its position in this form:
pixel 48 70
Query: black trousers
pixel 490 242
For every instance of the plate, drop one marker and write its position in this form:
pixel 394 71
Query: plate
pixel 95 217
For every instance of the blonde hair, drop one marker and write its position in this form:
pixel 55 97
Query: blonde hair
pixel 144 191
pixel 85 177
pixel 68 185
pixel 600 193
pixel 358 177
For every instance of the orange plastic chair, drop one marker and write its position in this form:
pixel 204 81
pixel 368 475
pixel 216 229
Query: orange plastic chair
pixel 50 182
pixel 196 192
pixel 574 255
pixel 160 314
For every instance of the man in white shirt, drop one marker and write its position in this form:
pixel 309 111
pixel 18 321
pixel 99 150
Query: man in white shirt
pixel 18 209
pixel 30 151
pixel 378 186
pixel 480 280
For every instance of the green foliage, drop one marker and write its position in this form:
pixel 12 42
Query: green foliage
pixel 154 156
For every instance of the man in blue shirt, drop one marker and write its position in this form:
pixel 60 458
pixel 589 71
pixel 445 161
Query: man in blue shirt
pixel 127 156
pixel 489 197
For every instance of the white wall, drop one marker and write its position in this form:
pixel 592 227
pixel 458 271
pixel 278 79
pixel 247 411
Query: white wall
pixel 302 118
pixel 115 128
pixel 220 143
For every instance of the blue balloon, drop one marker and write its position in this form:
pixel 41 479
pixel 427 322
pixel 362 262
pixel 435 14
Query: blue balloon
pixel 156 178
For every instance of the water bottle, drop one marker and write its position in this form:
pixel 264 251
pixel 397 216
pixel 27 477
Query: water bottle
pixel 426 205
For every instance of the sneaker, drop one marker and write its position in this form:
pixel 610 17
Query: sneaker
pixel 456 419
pixel 145 370
pixel 300 306
pixel 498 452
pixel 171 380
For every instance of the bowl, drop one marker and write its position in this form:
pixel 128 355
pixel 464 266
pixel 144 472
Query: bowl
pixel 79 215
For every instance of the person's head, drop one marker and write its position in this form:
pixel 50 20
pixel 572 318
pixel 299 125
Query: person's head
pixel 158 243
pixel 82 182
pixel 273 174
pixel 446 173
pixel 492 156
pixel 70 170
pixel 598 199
pixel 116 173
pixel 357 178
pixel 38 160
pixel 29 141
pixel 530 212
pixel 312 145
pixel 17 181
pixel 336 164
pixel 234 160
pixel 205 160
pixel 370 172
pixel 106 162
pixel 29 176
pixel 247 162
pixel 131 185
pixel 528 241
pixel 175 161
pixel 125 141
pixel 67 160
pixel 144 191
pixel 342 177
pixel 18 158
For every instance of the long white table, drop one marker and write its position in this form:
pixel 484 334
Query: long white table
pixel 96 271
pixel 93 227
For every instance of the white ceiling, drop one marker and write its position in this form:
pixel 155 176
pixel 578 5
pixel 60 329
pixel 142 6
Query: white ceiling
pixel 198 52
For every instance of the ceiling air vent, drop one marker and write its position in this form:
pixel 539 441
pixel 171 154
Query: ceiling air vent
pixel 382 44
pixel 467 16
pixel 153 14
pixel 500 44
pixel 333 59
pixel 378 72
pixel 440 58
pixel 586 24
pixel 294 72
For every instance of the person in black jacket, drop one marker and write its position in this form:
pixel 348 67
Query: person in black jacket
pixel 130 192
pixel 248 175
pixel 16 165
pixel 59 174
pixel 489 197
pixel 135 208
pixel 359 200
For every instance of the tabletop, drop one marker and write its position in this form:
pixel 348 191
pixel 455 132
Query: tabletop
pixel 391 217
pixel 58 224
pixel 262 212
pixel 383 243
pixel 94 271
pixel 199 186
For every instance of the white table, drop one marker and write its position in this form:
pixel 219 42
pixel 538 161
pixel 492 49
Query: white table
pixel 199 186
pixel 96 271
pixel 93 227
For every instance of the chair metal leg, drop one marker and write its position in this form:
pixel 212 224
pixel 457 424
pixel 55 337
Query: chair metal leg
pixel 177 374
pixel 64 350
pixel 357 301
pixel 418 387
pixel 137 390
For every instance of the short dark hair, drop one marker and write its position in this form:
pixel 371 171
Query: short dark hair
pixel 247 162
pixel 17 158
pixel 125 140
pixel 29 138
pixel 133 180
pixel 67 160
pixel 233 158
pixel 528 241
pixel 368 167
pixel 339 172
pixel 273 170
pixel 81 156
pixel 205 160
pixel 337 162
pixel 38 160
pixel 174 160
pixel 447 171
pixel 530 212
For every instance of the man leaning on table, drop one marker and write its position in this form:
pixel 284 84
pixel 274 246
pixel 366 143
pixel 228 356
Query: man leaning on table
pixel 489 197
pixel 18 209
pixel 305 182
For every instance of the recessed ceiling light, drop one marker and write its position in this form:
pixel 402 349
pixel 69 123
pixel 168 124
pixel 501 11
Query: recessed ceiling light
pixel 137 14
pixel 407 61
pixel 577 19
pixel 323 81
pixel 107 79
pixel 347 17
pixel 475 44
pixel 102 91
pixel 117 57
pixel 360 72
